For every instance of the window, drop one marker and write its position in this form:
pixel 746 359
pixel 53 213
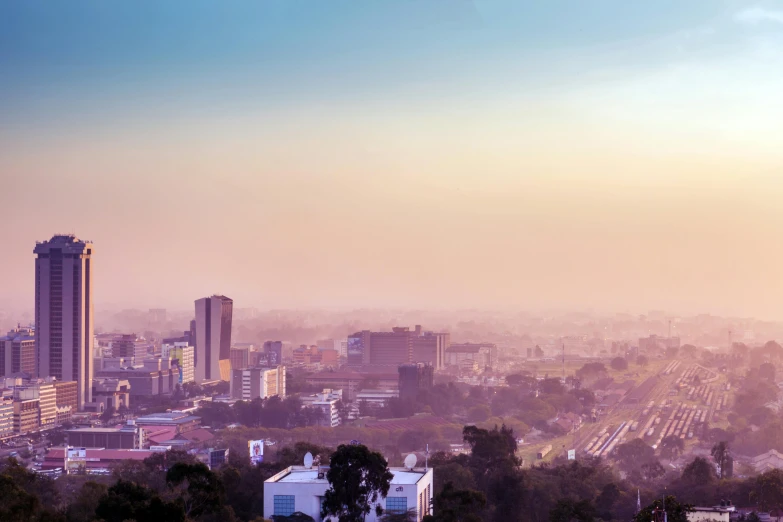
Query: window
pixel 396 504
pixel 284 505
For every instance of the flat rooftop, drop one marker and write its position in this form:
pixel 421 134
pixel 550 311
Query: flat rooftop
pixel 302 475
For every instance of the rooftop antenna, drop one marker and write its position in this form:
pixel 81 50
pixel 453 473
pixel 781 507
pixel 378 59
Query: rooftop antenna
pixel 638 501
pixel 670 328
pixel 426 457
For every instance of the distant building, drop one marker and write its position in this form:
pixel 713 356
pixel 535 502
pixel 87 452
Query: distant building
pixel 376 397
pixel 111 393
pixel 430 347
pixel 483 354
pixel 64 333
pixel 274 351
pixel 400 346
pixel 251 383
pixel 184 354
pixel 240 358
pixel 158 376
pixel 183 421
pixel 326 401
pixel 656 343
pixel 213 338
pixel 414 378
pixel 130 347
pixel 17 351
pixel 129 436
pixel 350 381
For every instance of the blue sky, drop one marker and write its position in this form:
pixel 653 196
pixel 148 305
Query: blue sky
pixel 559 142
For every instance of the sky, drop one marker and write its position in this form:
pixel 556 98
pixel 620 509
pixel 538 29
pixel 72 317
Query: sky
pixel 606 155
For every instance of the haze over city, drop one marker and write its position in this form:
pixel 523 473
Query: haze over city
pixel 422 155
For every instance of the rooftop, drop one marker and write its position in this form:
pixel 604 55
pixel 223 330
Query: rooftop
pixel 302 475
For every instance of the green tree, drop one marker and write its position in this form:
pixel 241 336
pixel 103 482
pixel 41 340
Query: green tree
pixel 128 501
pixel 672 447
pixel 619 364
pixel 83 507
pixel 358 478
pixel 767 371
pixel 479 413
pixel 768 490
pixel 632 455
pixel 108 414
pixel 567 510
pixel 675 511
pixel 698 472
pixel 458 505
pixel 196 488
pixel 406 516
pixel 720 452
pixel 16 504
pixel 491 446
pixel 642 360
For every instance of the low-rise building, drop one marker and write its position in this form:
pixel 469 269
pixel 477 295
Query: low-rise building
pixel 483 354
pixel 252 383
pixel 183 421
pixel 302 489
pixel 65 393
pixel 158 376
pixel 91 460
pixel 6 414
pixel 327 401
pixel 26 416
pixel 129 436
pixel 350 382
pixel 111 393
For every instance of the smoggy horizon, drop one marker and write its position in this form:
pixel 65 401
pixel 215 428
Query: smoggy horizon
pixel 428 155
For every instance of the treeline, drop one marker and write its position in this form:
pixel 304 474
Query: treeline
pixel 486 485
pixel 272 412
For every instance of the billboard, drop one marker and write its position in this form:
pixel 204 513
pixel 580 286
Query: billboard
pixel 256 450
pixel 571 454
pixel 77 453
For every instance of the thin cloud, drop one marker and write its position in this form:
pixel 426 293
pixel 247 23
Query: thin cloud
pixel 757 15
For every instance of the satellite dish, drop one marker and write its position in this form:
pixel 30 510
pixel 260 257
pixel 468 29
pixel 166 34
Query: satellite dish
pixel 410 461
pixel 308 460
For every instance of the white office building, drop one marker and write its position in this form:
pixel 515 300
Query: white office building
pixel 185 356
pixel 298 488
pixel 326 401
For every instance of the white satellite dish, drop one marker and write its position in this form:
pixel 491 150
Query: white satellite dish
pixel 410 461
pixel 308 460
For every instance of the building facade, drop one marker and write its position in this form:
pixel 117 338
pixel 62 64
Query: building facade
pixel 64 333
pixel 213 338
pixel 129 436
pixel 240 358
pixel 252 383
pixel 430 347
pixel 327 401
pixel 6 414
pixel 302 489
pixel 483 354
pixel 17 351
pixel 65 393
pixel 111 393
pixel 25 415
pixel 400 346
pixel 274 351
pixel 185 355
pixel 414 378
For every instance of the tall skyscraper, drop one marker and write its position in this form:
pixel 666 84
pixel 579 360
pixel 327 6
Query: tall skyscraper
pixel 213 338
pixel 64 312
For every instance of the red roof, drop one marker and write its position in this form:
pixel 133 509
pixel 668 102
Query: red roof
pixel 103 454
pixel 198 435
pixel 161 435
pixel 352 375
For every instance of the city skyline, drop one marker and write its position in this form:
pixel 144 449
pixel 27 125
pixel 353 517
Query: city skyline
pixel 497 155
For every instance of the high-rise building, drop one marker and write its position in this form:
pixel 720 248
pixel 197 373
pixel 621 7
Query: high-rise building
pixel 64 312
pixel 213 338
pixel 17 351
pixel 251 383
pixel 130 347
pixel 414 378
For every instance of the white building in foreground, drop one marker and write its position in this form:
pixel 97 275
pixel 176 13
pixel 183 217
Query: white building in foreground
pixel 302 489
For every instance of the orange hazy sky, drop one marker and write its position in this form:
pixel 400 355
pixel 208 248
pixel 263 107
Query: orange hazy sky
pixel 629 173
